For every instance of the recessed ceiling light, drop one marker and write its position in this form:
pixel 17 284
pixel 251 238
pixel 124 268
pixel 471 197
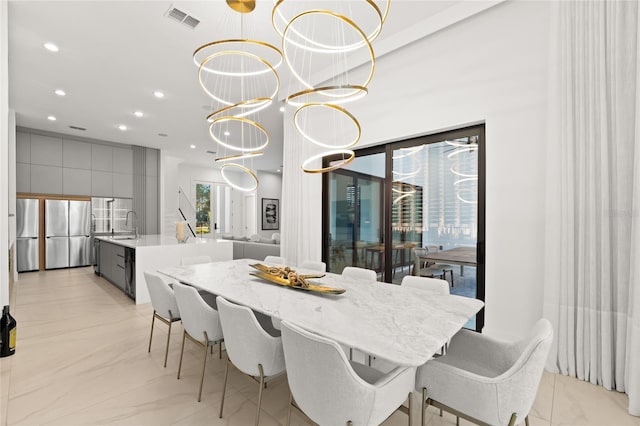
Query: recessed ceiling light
pixel 122 127
pixel 226 133
pixel 158 94
pixel 192 146
pixel 51 118
pixel 164 135
pixel 60 92
pixel 51 47
pixel 138 114
pixel 281 109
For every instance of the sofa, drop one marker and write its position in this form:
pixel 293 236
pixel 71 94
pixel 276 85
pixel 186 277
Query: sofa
pixel 244 248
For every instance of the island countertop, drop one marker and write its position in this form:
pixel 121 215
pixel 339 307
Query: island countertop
pixel 151 240
pixel 152 252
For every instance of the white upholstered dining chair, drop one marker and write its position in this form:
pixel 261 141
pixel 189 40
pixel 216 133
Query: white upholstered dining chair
pixel 314 266
pixel 201 324
pixel 249 347
pixel 484 380
pixel 433 285
pixel 276 260
pixel 331 390
pixel 164 305
pixel 362 274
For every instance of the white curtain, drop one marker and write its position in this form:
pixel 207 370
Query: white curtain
pixel 301 226
pixel 592 253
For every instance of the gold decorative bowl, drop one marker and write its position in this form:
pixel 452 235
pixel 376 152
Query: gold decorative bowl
pixel 276 275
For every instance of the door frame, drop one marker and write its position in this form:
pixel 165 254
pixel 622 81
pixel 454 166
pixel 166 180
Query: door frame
pixel 388 148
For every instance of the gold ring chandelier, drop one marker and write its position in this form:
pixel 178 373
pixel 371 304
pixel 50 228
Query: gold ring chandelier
pixel 240 76
pixel 327 50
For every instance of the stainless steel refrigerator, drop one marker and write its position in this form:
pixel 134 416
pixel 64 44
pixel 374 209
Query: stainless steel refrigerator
pixel 27 214
pixel 68 233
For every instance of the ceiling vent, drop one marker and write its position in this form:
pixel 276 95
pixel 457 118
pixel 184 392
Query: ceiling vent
pixel 77 128
pixel 181 17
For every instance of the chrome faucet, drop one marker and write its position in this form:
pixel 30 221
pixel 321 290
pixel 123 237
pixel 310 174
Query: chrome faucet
pixel 135 228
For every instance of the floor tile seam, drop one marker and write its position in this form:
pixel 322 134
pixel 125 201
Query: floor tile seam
pixel 553 398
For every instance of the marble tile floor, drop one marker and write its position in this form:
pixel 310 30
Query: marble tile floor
pixel 82 359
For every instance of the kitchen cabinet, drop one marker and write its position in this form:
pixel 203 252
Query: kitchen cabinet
pixel 116 266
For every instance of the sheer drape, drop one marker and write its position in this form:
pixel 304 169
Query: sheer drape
pixel 301 230
pixel 592 254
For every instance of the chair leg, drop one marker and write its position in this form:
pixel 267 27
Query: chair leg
pixel 424 405
pixel 526 420
pixel 409 399
pixel 513 419
pixel 260 393
pixel 289 410
pixel 204 365
pixel 219 349
pixel 184 336
pixel 153 320
pixel 224 387
pixel 451 272
pixel 166 351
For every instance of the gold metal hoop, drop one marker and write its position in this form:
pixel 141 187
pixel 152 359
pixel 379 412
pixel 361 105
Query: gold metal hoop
pixel 339 17
pixel 224 119
pixel 322 155
pixel 244 170
pixel 240 53
pixel 382 16
pixel 200 55
pixel 357 93
pixel 335 108
pixel 259 103
pixel 238 156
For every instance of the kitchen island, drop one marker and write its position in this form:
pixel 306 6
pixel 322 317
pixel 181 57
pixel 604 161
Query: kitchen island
pixel 122 259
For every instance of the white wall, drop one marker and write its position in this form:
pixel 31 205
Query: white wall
pixel 4 154
pixel 490 68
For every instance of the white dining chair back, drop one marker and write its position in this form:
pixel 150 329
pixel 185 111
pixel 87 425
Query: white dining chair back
pixel 331 390
pixel 485 379
pixel 195 260
pixel 201 324
pixel 163 299
pixel 249 347
pixel 353 272
pixel 276 260
pixel 433 285
pixel 165 307
pixel 314 266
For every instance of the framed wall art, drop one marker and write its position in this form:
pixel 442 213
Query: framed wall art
pixel 270 214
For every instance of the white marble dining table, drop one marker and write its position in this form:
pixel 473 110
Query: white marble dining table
pixel 402 325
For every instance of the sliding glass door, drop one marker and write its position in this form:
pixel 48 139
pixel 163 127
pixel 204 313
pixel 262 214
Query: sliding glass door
pixel 414 207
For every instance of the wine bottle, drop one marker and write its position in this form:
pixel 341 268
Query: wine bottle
pixel 7 333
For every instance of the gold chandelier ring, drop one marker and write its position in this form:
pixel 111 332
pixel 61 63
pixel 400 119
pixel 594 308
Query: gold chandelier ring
pixel 238 156
pixel 356 92
pixel 342 18
pixel 200 54
pixel 334 108
pixel 323 155
pixel 228 166
pixel 252 123
pixel 382 17
pixel 257 103
pixel 239 53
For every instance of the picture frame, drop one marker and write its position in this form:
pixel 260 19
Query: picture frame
pixel 270 214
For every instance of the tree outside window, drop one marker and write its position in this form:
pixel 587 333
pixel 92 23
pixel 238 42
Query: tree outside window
pixel 203 208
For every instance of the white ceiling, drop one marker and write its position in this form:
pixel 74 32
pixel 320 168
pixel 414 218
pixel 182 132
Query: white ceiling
pixel 114 54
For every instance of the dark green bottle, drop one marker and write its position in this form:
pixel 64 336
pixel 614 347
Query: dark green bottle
pixel 8 333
